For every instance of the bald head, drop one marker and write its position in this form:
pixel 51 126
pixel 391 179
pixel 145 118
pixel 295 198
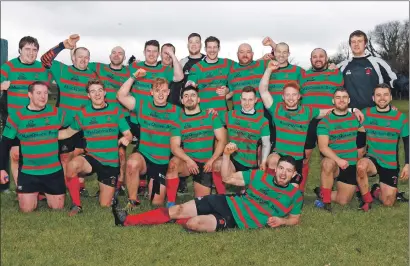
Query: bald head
pixel 117 56
pixel 245 54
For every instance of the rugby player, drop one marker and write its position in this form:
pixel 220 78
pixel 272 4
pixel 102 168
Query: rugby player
pixel 36 126
pixel 101 123
pixel 196 133
pixel 384 127
pixel 269 201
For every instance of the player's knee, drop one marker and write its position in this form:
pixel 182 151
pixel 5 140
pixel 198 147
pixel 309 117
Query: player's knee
pixel 216 166
pixel 271 162
pixel 173 165
pixel 389 201
pixel 133 165
pixel 176 211
pixel 27 207
pixel 193 224
pixel 328 165
pixel 15 156
pixel 72 168
pixel 56 205
pixel 361 169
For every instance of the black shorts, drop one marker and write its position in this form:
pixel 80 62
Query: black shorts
pixel 311 137
pixel 76 141
pixel 217 206
pixel 135 128
pixel 386 175
pixel 52 184
pixel 361 140
pixel 15 142
pixel 156 172
pixel 106 175
pixel 203 178
pixel 348 175
pixel 240 167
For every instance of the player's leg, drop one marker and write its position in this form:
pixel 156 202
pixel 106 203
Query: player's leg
pixel 122 155
pixel 388 186
pixel 217 177
pixel 202 182
pixel 310 144
pixel 14 162
pixel 365 168
pixel 136 166
pixel 202 223
pixel 329 170
pixel 54 188
pixel 346 185
pixel 79 146
pixel 27 201
pixel 176 168
pixel 157 195
pixel 28 187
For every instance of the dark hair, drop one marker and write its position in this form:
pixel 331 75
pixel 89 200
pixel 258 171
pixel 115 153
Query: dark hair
pixel 292 84
pixel 189 88
pixel 288 159
pixel 94 82
pixel 194 35
pixel 318 49
pixel 341 89
pixel 28 40
pixel 80 48
pixel 212 39
pixel 249 89
pixel 152 43
pixel 168 45
pixel 35 83
pixel 358 33
pixel 382 86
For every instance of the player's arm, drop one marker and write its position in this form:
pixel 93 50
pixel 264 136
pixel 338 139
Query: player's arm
pixel 221 136
pixel 6 142
pixel 235 178
pixel 323 112
pixel 404 132
pixel 178 72
pixel 192 78
pixel 48 58
pixel 264 84
pixel 289 220
pixel 123 94
pixel 180 153
pixel 266 146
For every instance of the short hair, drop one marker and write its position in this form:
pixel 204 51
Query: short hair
pixel 291 84
pixel 35 83
pixel 288 159
pixel 212 39
pixel 28 40
pixel 168 45
pixel 283 43
pixel 80 48
pixel 341 89
pixel 382 86
pixel 158 82
pixel 194 35
pixel 318 49
pixel 189 88
pixel 93 82
pixel 249 89
pixel 152 43
pixel 358 33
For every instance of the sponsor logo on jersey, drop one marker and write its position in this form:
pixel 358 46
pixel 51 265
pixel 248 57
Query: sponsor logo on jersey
pixel 374 122
pixel 75 78
pixel 388 124
pixel 36 76
pixel 348 72
pixel 93 121
pixel 22 77
pixel 47 121
pixel 368 70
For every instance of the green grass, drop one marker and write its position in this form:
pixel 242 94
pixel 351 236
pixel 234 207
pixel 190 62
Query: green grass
pixel 346 237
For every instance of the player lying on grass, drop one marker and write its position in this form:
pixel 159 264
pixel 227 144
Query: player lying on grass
pixel 268 201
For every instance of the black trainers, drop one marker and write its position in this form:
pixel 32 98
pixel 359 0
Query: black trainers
pixel 119 215
pixel 316 190
pixel 365 206
pixel 121 191
pixel 84 193
pixel 400 197
pixel 327 207
pixel 373 189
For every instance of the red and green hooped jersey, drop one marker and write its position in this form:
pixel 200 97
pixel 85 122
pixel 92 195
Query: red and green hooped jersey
pixel 291 128
pixel 101 128
pixel 263 199
pixel 197 134
pixel 157 123
pixel 21 76
pixel 113 80
pixel 38 135
pixel 142 86
pixel 342 132
pixel 242 76
pixel 245 131
pixel 209 77
pixel 383 132
pixel 280 77
pixel 318 87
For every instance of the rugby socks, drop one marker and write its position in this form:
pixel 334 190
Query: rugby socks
pixel 182 221
pixel 172 188
pixel 367 198
pixel 157 216
pixel 73 185
pixel 326 194
pixel 376 193
pixel 219 185
pixel 305 174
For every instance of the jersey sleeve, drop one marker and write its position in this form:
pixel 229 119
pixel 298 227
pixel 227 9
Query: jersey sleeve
pixel 216 122
pixel 194 73
pixel 64 119
pixel 315 113
pixel 11 127
pixel 265 131
pixel 224 118
pixel 76 124
pixel 297 204
pixel 272 110
pixel 93 66
pixel 56 69
pixel 404 132
pixel 5 69
pixel 122 123
pixel 247 176
pixel 322 127
pixel 301 73
pixel 169 74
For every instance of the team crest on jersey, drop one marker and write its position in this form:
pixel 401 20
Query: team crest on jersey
pixel 237 122
pixel 75 78
pixel 47 121
pixel 108 118
pixel 350 124
pixel 209 75
pixel 187 125
pixel 201 122
pixel 22 77
pixel 252 72
pixel 286 76
pixel 30 124
pixel 348 72
pixel 93 121
pixel 220 72
pixel 36 76
pixel 374 122
pixel 326 78
pixel 368 70
pixel 111 76
pixel 388 124
pixel 338 126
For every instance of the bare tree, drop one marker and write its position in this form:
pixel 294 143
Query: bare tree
pixel 343 53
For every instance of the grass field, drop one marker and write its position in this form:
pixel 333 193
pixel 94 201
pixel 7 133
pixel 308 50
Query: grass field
pixel 345 237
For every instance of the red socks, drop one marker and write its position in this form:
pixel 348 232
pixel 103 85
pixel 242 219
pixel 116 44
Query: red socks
pixel 182 221
pixel 219 185
pixel 73 185
pixel 157 216
pixel 172 188
pixel 326 194
pixel 305 174
pixel 367 198
pixel 119 184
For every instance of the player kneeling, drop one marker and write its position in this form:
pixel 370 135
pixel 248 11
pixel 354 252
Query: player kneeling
pixel 36 127
pixel 101 122
pixel 268 201
pixel 338 142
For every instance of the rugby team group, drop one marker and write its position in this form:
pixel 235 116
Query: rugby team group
pixel 245 130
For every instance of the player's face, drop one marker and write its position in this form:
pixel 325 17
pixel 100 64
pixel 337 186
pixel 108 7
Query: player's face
pixel 284 173
pixel 281 54
pixel 160 94
pixel 28 54
pixel 151 54
pixel 291 97
pixel 166 59
pixel 248 101
pixel 190 99
pixel 212 50
pixel 357 45
pixel 245 55
pixel 117 56
pixel 341 100
pixel 194 45
pixel 318 59
pixel 96 93
pixel 81 59
pixel 382 97
pixel 39 96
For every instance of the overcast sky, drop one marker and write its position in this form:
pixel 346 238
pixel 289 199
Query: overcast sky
pixel 103 25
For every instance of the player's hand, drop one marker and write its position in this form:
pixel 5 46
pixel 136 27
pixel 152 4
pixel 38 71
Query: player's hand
pixel 5 85
pixel 168 51
pixel 208 166
pixel 230 148
pixel 212 111
pixel 274 221
pixel 262 166
pixel 332 66
pixel 4 177
pixel 140 73
pixel 359 115
pixel 71 42
pixel 268 56
pixel 192 167
pixel 273 65
pixel 124 141
pixel 190 83
pixel 343 164
pixel 405 172
pixel 267 41
pixel 222 91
